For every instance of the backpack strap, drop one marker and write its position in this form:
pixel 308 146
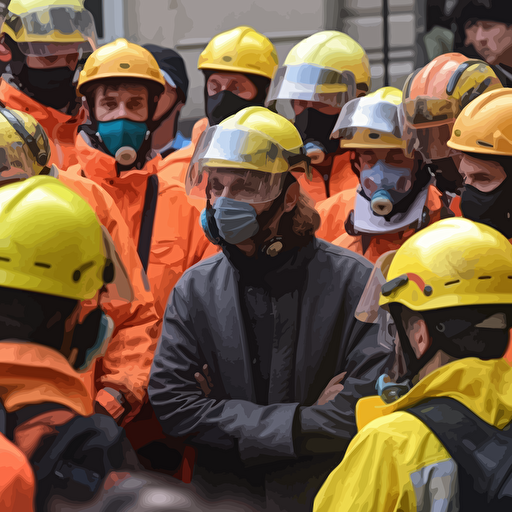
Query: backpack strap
pixel 147 220
pixel 472 444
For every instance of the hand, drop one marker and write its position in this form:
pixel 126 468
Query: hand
pixel 332 389
pixel 205 381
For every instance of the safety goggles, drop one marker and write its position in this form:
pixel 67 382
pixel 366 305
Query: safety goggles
pixel 307 82
pixel 53 30
pixel 259 164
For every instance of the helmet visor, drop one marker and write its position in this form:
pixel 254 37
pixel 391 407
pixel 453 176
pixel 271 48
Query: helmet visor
pixel 430 141
pixel 310 83
pixel 379 123
pixel 119 288
pixel 424 110
pixel 53 30
pixel 262 163
pixel 244 185
pixel 368 309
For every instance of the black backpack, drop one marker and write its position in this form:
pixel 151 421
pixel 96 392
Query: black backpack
pixel 73 462
pixel 482 452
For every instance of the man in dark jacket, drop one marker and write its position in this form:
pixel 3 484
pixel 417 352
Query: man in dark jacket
pixel 484 27
pixel 270 321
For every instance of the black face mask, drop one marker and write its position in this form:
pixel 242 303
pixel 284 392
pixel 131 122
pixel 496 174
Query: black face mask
pixel 225 104
pixel 491 208
pixel 448 178
pixel 314 126
pixel 51 87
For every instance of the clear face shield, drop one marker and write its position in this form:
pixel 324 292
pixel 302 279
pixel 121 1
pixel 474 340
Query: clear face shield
pixel 369 311
pixel 307 82
pixel 54 30
pixel 233 163
pixel 312 97
pixel 117 290
pixel 428 124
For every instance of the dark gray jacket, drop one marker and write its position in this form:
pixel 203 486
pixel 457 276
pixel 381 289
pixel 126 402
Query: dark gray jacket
pixel 276 455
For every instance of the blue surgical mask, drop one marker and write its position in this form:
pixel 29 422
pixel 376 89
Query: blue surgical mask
pixel 234 221
pixel 122 133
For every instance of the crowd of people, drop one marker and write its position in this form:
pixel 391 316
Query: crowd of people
pixel 305 308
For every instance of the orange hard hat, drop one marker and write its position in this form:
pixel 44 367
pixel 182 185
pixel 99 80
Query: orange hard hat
pixel 434 96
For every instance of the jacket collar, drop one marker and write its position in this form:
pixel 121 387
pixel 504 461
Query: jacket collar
pixel 485 387
pixel 97 165
pixel 362 221
pixel 275 272
pixel 33 374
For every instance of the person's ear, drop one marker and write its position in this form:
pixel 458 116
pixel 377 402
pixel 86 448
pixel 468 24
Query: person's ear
pixel 292 197
pixel 419 337
pixel 5 51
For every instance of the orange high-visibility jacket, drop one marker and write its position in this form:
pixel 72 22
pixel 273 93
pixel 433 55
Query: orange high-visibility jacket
pixel 32 374
pixel 380 244
pixel 176 164
pixel 17 480
pixel 177 242
pixel 333 214
pixel 127 362
pixel 60 128
pixel 341 178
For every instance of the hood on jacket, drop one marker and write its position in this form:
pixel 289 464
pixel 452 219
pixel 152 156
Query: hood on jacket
pixel 484 387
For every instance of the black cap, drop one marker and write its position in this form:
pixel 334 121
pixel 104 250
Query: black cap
pixel 172 64
pixel 486 10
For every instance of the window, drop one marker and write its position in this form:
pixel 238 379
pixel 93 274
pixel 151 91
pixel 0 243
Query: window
pixel 108 18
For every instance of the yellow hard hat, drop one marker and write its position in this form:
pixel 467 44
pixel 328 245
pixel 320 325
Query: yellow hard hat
pixel 254 139
pixel 51 241
pixel 484 126
pixel 453 262
pixel 120 59
pixel 327 67
pixel 333 50
pixel 372 121
pixel 240 50
pixel 23 143
pixel 50 27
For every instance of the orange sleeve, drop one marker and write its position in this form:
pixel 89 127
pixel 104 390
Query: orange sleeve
pixel 178 242
pixel 333 214
pixel 126 364
pixel 17 480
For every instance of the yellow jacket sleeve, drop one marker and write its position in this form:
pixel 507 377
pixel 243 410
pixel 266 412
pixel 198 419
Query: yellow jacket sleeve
pixel 388 466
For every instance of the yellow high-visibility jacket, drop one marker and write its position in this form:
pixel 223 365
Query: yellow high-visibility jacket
pixel 395 463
